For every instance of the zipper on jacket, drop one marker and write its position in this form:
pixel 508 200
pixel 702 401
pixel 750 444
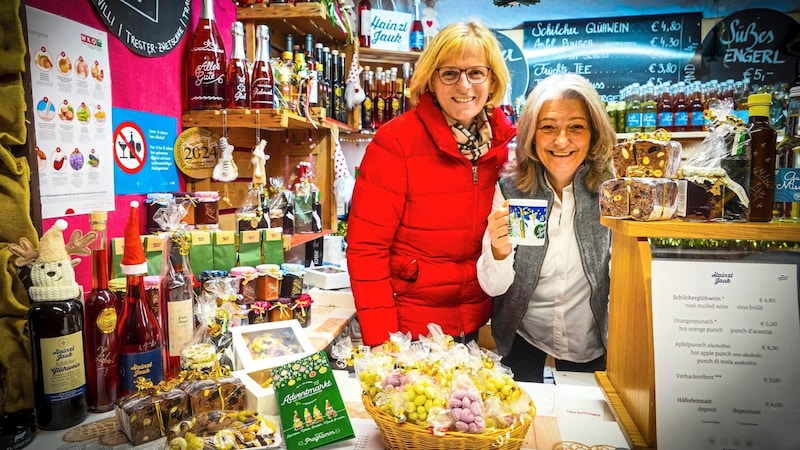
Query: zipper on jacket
pixel 474 174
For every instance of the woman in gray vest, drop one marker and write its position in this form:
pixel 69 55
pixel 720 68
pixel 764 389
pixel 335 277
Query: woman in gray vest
pixel 552 299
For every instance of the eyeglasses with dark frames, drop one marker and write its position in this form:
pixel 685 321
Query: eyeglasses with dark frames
pixel 452 75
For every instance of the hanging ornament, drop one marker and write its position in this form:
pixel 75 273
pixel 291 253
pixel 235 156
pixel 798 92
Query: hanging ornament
pixel 225 169
pixel 354 93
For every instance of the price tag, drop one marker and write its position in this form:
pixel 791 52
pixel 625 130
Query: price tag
pixel 196 152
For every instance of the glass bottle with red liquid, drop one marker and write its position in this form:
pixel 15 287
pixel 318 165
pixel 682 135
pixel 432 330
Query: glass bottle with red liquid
pixel 138 334
pixel 417 37
pixel 237 77
pixel 206 63
pixel 364 23
pixel 101 308
pixel 696 108
pixel 507 107
pixel 262 83
pixel 681 108
pixel 664 108
pixel 176 299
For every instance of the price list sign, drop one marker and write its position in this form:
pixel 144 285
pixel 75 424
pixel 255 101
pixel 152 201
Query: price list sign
pixel 614 52
pixel 725 339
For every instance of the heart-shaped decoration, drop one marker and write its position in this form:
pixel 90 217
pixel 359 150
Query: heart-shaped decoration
pixel 429 23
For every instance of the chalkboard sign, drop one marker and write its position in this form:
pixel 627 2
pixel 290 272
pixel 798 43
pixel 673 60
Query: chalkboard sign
pixel 613 52
pixel 752 44
pixel 147 27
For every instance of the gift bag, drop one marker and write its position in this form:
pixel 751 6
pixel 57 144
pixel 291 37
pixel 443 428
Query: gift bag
pixel 201 255
pixel 117 249
pixel 272 246
pixel 250 248
pixel 153 247
pixel 224 243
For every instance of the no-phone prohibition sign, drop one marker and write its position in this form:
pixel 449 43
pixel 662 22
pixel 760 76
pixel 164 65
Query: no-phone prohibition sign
pixel 130 147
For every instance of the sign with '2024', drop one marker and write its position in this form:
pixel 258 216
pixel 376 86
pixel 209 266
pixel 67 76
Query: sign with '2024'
pixel 390 30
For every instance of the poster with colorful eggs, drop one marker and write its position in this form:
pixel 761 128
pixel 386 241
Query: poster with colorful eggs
pixel 311 406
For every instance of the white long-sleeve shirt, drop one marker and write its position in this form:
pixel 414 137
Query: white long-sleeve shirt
pixel 560 301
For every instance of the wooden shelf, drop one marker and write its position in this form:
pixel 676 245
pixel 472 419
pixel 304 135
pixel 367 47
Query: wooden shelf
pixel 298 20
pixel 677 135
pixel 774 231
pixel 375 58
pixel 302 238
pixel 265 119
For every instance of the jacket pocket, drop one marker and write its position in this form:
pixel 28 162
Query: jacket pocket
pixel 404 275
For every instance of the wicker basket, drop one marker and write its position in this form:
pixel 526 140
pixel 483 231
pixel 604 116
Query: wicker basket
pixel 408 436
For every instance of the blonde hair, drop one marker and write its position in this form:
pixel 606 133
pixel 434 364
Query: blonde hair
pixel 458 39
pixel 564 86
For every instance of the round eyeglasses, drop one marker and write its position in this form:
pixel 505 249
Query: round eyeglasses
pixel 452 75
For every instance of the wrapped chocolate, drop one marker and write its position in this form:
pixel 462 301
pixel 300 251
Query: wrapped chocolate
pixel 715 177
pixel 225 430
pixel 213 390
pixel 642 156
pixel 644 199
pixel 147 414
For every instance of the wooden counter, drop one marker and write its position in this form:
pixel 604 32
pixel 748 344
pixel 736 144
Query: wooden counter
pixel 629 379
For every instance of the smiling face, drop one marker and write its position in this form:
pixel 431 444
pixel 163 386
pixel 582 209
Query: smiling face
pixel 563 136
pixel 463 101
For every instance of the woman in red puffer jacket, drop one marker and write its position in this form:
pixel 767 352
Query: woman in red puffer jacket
pixel 424 192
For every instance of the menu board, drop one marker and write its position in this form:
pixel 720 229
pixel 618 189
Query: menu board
pixel 614 52
pixel 725 340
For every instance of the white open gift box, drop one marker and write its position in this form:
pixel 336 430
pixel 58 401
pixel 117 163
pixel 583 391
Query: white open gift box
pixel 327 277
pixel 267 345
pixel 258 397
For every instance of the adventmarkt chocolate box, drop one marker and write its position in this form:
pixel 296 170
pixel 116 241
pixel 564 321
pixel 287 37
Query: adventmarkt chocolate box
pixel 327 277
pixel 266 345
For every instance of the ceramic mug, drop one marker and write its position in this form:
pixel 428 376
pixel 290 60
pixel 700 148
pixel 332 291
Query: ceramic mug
pixel 527 221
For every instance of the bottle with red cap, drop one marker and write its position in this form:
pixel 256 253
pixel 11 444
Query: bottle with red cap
pixel 138 334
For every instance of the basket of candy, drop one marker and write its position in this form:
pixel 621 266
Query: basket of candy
pixel 437 394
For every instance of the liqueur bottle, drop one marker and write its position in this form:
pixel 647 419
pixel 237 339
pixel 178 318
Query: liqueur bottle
pixel 138 334
pixel 262 84
pixel 417 38
pixel 633 111
pixel 55 322
pixel 763 139
pixel 787 186
pixel 696 108
pixel 237 77
pixel 681 108
pixel 206 63
pixel 649 109
pixel 339 93
pixel 176 300
pixel 664 108
pixel 364 23
pixel 379 113
pixel 336 88
pixel 394 99
pixel 320 79
pixel 367 117
pixel 327 89
pixel 408 71
pixel 101 308
pixel 311 67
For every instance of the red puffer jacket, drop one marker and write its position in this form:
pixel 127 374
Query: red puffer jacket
pixel 418 212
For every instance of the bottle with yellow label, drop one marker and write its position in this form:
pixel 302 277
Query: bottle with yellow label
pixel 101 307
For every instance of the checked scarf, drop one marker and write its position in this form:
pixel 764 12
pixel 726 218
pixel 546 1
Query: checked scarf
pixel 473 142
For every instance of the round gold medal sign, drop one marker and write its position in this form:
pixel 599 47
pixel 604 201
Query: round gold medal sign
pixel 196 152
